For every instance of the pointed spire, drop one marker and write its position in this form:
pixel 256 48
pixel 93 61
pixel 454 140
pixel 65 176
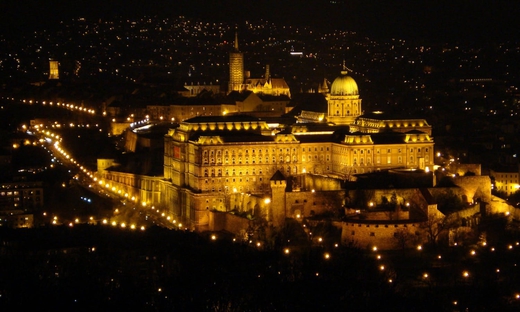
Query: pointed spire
pixel 236 41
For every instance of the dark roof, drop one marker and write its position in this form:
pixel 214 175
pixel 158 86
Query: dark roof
pixel 388 137
pixel 427 196
pixel 222 118
pixel 309 138
pixel 314 102
pixel 387 116
pixel 269 97
pixel 415 131
pixel 235 96
pixel 278 176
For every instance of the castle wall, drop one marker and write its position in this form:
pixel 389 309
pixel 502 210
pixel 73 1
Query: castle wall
pixel 365 235
pixel 219 221
pixel 320 183
pixel 475 187
pixel 311 203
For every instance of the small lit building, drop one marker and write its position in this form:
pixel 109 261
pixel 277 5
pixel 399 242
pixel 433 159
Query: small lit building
pixel 506 180
pixel 21 195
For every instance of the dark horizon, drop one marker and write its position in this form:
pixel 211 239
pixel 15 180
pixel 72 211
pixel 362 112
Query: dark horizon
pixel 458 20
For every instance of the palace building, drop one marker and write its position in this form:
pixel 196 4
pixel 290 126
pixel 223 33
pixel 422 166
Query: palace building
pixel 221 163
pixel 208 159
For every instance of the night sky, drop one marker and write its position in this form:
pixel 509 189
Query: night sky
pixel 452 20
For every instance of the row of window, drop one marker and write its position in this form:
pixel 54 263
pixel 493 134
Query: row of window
pixel 233 172
pixel 253 151
pixel 287 159
pixel 17 193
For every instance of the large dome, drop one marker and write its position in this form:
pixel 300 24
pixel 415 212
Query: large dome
pixel 344 85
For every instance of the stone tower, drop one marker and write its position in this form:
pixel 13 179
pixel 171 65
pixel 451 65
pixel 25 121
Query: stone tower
pixel 236 68
pixel 277 210
pixel 53 70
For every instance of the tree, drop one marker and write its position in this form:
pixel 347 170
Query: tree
pixel 448 201
pixel 435 226
pixel 403 238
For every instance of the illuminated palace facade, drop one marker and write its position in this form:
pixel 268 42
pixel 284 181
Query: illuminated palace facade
pixel 208 159
pixel 211 161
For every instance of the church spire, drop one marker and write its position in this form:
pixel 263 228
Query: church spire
pixel 236 41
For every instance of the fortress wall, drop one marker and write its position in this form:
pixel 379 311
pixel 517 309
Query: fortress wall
pixel 365 235
pixel 320 183
pixel 475 187
pixel 308 203
pixel 219 221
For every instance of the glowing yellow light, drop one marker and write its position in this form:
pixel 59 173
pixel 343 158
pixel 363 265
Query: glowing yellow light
pixel 267 201
pixel 382 268
pixel 326 255
pixel 114 223
pixel 374 248
pixel 142 228
pixel 465 274
pixel 105 221
pixel 213 237
pixel 286 251
pixel 419 247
